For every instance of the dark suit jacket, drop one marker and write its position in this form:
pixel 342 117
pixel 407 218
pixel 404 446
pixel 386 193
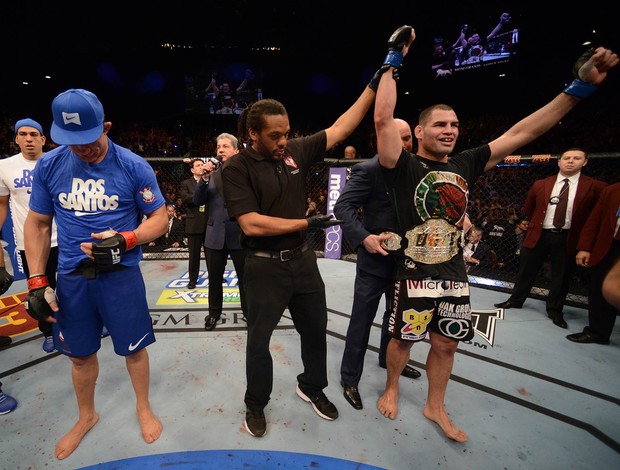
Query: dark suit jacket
pixel 598 232
pixel 196 219
pixel 220 228
pixel 537 200
pixel 177 233
pixel 483 254
pixel 366 189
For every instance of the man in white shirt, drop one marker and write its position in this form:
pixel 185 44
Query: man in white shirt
pixel 15 188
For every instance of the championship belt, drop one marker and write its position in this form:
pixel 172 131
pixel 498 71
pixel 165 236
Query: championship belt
pixel 433 242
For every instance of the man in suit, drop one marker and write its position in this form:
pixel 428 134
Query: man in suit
pixel 599 249
pixel 544 238
pixel 374 267
pixel 513 246
pixel 173 238
pixel 223 236
pixel 195 221
pixel 477 253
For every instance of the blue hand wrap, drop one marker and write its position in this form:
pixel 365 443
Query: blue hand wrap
pixel 580 89
pixel 394 58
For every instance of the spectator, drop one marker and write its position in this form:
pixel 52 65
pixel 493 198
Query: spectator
pixel 477 253
pixel 513 246
pixel 173 237
pixel 350 153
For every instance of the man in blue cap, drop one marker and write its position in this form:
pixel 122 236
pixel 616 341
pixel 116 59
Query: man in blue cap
pixel 15 186
pixel 97 192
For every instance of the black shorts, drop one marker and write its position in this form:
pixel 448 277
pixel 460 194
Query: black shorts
pixel 441 305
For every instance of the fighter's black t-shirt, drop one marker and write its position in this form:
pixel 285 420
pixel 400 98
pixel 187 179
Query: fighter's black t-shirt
pixel 430 200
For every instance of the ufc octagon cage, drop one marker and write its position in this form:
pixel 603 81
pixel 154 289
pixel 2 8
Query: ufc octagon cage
pixel 495 204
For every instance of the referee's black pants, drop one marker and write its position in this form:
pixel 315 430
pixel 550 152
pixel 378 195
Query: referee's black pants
pixel 271 286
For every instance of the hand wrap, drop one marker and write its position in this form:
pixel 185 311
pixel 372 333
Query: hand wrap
pixel 580 89
pixel 322 221
pixel 40 295
pixel 5 280
pixel 109 252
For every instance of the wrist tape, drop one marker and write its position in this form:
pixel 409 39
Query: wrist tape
pixel 130 239
pixel 37 281
pixel 394 58
pixel 580 89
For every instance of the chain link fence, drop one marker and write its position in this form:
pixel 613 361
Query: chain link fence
pixel 495 206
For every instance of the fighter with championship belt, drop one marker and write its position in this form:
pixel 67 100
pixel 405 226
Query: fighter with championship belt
pixel 429 193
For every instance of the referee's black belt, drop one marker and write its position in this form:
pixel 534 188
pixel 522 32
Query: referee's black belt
pixel 284 255
pixel 556 230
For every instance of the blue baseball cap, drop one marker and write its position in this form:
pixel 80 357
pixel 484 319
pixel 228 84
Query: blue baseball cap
pixel 78 118
pixel 27 123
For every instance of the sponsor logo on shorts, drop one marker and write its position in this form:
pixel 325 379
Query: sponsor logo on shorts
pixel 453 328
pixel 415 324
pixel 435 288
pixel 132 346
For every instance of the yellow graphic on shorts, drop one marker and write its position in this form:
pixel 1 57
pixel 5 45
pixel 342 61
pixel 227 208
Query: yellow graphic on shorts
pixel 416 322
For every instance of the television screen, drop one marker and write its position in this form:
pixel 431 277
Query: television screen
pixel 475 43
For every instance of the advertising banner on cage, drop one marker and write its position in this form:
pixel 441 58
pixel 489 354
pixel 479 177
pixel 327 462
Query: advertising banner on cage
pixel 13 261
pixel 333 234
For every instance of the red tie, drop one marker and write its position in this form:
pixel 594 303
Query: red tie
pixel 559 219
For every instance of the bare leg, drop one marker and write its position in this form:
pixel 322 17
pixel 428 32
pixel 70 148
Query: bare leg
pixel 438 370
pixel 397 355
pixel 84 373
pixel 138 367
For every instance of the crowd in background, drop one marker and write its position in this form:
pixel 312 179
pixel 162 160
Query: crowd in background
pixel 187 138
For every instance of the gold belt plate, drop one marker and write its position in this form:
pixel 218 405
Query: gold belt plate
pixel 433 242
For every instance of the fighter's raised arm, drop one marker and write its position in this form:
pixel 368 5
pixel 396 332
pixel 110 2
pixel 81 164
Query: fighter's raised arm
pixel 389 143
pixel 590 70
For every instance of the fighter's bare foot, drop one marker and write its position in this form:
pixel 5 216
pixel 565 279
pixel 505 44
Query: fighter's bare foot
pixel 150 425
pixel 388 404
pixel 70 441
pixel 445 423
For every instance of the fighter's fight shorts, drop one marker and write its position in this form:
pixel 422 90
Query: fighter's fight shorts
pixel 441 305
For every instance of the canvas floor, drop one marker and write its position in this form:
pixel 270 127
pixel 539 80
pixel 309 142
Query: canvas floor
pixel 527 397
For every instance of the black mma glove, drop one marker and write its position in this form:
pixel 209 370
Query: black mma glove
pixel 5 280
pixel 108 252
pixel 322 221
pixel 394 58
pixel 40 295
pixel 578 87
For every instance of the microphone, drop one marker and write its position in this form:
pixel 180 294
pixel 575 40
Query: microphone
pixel 214 161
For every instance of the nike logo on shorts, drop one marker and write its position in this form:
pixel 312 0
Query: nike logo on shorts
pixel 134 346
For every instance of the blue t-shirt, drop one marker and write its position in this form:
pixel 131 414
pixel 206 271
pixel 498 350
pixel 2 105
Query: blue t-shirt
pixel 87 198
